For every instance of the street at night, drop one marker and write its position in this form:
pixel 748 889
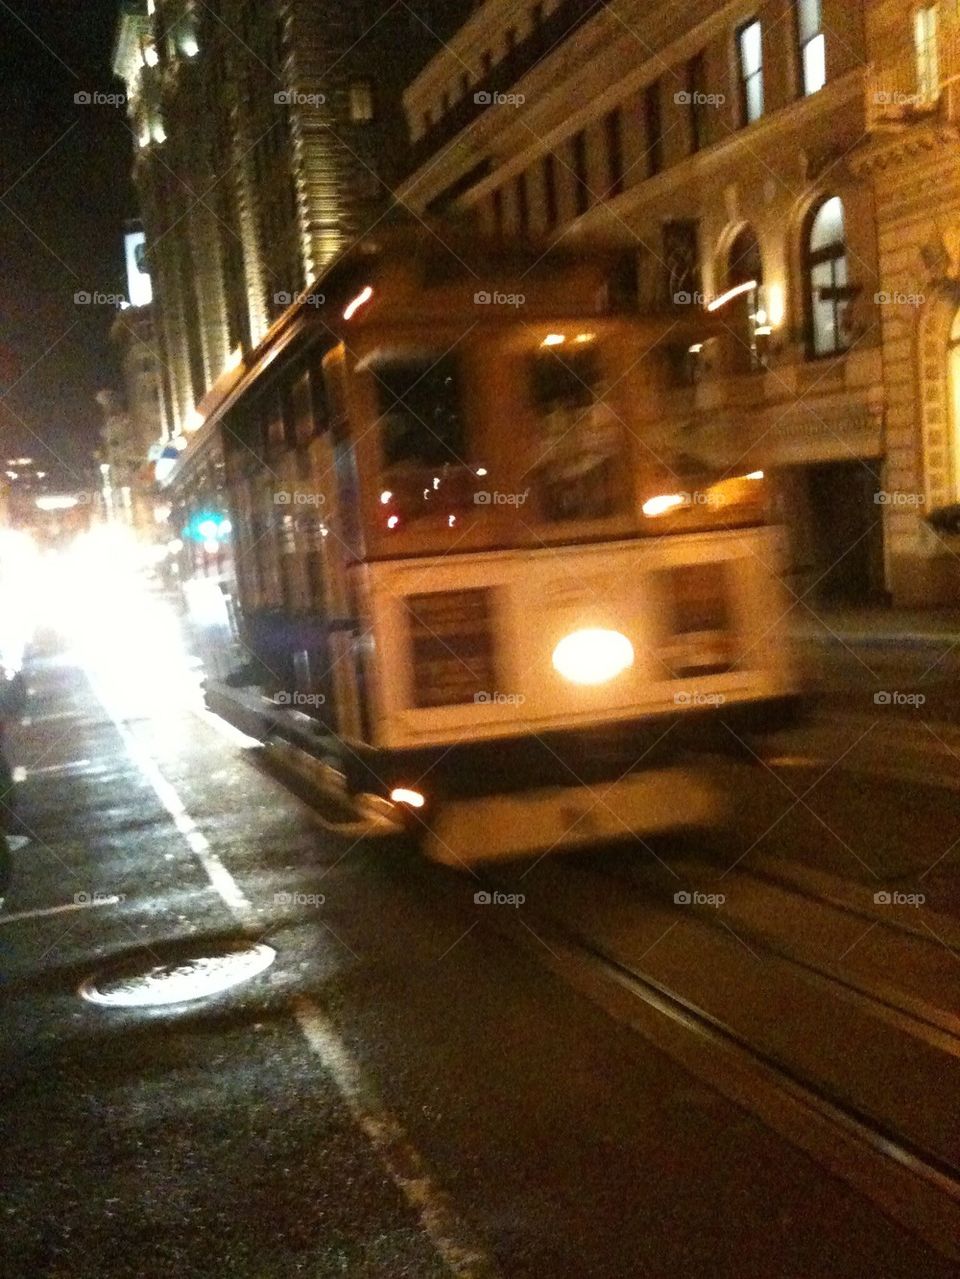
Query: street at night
pixel 480 639
pixel 583 1076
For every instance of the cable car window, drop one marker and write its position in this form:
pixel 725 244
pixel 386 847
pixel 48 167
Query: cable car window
pixel 421 422
pixel 580 450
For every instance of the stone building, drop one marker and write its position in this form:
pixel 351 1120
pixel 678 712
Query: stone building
pixel 717 139
pixel 911 158
pixel 268 134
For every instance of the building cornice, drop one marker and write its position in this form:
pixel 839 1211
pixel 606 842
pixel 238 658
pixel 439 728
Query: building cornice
pixel 903 145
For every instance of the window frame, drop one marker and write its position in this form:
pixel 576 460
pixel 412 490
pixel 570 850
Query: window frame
pixel 811 260
pixel 744 79
pixel 803 43
pixel 613 135
pixel 653 127
pixel 581 173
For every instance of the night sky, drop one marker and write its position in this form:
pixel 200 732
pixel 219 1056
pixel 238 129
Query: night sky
pixel 65 192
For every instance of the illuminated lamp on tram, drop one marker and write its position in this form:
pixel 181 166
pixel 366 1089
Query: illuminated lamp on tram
pixel 593 656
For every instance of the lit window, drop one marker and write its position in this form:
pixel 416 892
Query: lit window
pixel 750 53
pixel 813 45
pixel 925 41
pixel 361 102
pixel 828 291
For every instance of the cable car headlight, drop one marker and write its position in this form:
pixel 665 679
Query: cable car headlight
pixel 593 656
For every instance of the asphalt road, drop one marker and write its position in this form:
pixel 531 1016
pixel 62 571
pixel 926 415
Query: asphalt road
pixel 422 1085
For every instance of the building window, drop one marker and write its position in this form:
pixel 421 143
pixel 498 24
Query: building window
pixel 812 45
pixel 444 103
pixel 486 62
pixel 925 42
pixel 580 185
pixel 464 84
pixel 828 291
pixel 745 315
pixel 498 212
pixel 361 101
pixel 697 101
pixel 613 127
pixel 523 204
pixel 511 39
pixel 653 124
pixel 550 205
pixel 750 59
pixel 427 121
pixel 681 261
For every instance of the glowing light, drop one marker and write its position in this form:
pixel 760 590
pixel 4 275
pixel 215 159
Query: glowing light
pixel 451 520
pixel 584 337
pixel 775 304
pixel 481 470
pixel 144 139
pixel 553 339
pixel 755 475
pixel 664 502
pixel 194 421
pixel 593 656
pixel 64 503
pixel 208 529
pixel 159 133
pixel 386 497
pixel 436 481
pixel 730 294
pixel 175 546
pixel 696 348
pixel 360 300
pixel 412 798
pixel 212 546
pixel 189 46
pixel 192 978
pixel 393 521
pixel 150 56
pixel 234 359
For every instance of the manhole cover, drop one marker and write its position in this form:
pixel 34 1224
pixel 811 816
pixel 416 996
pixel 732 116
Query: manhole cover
pixel 194 977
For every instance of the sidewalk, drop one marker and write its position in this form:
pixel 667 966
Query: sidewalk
pixel 880 626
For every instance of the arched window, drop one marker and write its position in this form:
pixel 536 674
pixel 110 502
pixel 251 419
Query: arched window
pixel 828 292
pixel 953 392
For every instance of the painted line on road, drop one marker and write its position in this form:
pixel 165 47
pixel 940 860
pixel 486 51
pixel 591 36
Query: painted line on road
pixel 58 910
pixel 448 1234
pixel 20 774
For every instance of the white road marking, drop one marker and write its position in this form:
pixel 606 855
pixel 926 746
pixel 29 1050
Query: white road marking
pixel 20 774
pixel 447 1233
pixel 58 910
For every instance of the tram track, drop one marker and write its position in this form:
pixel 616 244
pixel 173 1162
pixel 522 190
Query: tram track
pixel 915 1184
